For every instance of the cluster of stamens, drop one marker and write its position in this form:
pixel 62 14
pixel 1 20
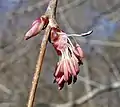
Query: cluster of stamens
pixel 70 58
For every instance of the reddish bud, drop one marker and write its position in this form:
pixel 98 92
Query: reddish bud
pixel 79 50
pixel 37 26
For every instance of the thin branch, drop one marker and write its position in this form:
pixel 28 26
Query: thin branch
pixel 16 56
pixel 29 8
pixel 90 82
pixel 115 71
pixel 51 10
pixel 70 93
pixel 97 91
pixel 87 86
pixel 5 89
pixel 38 68
pixel 91 94
pixel 66 24
pixel 42 3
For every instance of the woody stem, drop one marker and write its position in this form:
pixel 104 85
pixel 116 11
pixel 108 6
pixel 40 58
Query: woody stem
pixel 51 12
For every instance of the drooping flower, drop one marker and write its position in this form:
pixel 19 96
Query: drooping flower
pixel 39 24
pixel 70 58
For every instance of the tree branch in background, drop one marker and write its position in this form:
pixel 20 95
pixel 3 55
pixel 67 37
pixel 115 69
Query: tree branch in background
pixel 90 95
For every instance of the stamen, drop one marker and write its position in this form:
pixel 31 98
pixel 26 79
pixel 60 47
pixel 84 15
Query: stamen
pixel 70 42
pixel 81 35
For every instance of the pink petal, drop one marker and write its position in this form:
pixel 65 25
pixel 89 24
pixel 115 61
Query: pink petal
pixel 76 52
pixel 61 80
pixel 75 63
pixel 58 69
pixel 33 31
pixel 68 67
pixel 58 79
pixel 38 20
pixel 80 51
pixel 60 86
pixel 72 68
pixel 65 69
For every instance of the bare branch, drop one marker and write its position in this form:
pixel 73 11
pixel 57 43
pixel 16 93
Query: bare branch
pixel 115 71
pixel 51 10
pixel 87 86
pixel 97 91
pixel 30 8
pixel 90 82
pixel 5 89
pixel 38 68
pixel 16 56
pixel 41 3
pixel 91 94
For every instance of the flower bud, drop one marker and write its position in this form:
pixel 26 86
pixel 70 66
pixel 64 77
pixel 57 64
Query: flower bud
pixel 37 26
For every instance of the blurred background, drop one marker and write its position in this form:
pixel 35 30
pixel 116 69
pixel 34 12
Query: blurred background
pixel 18 57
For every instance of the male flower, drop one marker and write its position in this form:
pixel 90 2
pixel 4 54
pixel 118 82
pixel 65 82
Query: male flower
pixel 70 58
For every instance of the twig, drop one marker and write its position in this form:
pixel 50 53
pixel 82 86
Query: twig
pixel 51 11
pixel 115 71
pixel 5 89
pixel 91 94
pixel 38 5
pixel 87 86
pixel 112 87
pixel 38 68
pixel 90 82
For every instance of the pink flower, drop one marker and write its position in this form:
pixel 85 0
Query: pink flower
pixel 36 27
pixel 70 58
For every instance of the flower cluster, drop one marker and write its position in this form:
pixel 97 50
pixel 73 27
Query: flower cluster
pixel 70 58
